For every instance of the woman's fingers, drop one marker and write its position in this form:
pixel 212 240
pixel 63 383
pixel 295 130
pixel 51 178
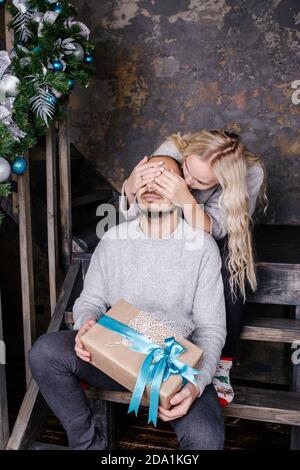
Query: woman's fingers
pixel 160 189
pixel 144 183
pixel 150 172
pixel 144 160
pixel 173 176
pixel 149 164
pixel 163 183
pixel 163 178
pixel 148 178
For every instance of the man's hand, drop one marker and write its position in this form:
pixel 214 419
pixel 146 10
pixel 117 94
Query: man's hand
pixel 79 348
pixel 182 402
pixel 142 174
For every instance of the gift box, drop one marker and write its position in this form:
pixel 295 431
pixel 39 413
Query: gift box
pixel 116 352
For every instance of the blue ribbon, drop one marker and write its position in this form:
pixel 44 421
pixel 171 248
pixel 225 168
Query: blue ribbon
pixel 159 364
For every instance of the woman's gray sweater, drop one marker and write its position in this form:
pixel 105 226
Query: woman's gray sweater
pixel 210 198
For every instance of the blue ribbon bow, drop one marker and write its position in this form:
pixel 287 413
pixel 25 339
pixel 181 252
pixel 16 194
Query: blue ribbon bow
pixel 160 363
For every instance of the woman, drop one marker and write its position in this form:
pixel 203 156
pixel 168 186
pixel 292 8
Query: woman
pixel 221 186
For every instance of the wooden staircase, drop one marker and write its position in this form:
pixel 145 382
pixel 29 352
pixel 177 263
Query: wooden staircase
pixel 88 190
pixel 279 283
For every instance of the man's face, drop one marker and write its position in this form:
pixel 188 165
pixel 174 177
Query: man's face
pixel 150 200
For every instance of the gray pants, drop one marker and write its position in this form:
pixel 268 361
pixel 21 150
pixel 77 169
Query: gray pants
pixel 58 371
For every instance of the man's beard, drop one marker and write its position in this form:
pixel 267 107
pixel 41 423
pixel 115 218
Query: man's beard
pixel 153 214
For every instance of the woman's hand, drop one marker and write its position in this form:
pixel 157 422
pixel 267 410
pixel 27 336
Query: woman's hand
pixel 182 402
pixel 142 174
pixel 173 187
pixel 79 348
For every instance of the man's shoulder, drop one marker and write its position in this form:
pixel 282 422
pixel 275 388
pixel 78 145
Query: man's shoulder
pixel 119 231
pixel 199 233
pixel 200 238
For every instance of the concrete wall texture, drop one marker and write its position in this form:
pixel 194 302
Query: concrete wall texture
pixel 179 65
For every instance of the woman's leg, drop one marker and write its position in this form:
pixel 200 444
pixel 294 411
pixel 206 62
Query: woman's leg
pixel 58 371
pixel 234 318
pixel 234 323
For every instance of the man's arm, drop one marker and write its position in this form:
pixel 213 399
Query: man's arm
pixel 210 331
pixel 209 312
pixel 93 298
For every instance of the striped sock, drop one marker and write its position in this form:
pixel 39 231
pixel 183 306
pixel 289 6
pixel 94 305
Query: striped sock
pixel 221 381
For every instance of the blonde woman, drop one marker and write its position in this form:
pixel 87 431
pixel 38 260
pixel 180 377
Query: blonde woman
pixel 221 186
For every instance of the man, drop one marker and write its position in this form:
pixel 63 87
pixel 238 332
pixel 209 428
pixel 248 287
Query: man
pixel 159 264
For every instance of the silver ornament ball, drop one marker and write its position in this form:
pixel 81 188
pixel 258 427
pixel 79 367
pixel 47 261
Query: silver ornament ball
pixel 9 84
pixel 78 52
pixel 25 61
pixel 5 170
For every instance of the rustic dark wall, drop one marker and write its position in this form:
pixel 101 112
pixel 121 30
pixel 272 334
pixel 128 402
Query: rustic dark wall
pixel 170 65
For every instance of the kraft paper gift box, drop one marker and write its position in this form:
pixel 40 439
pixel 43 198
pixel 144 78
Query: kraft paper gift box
pixel 116 360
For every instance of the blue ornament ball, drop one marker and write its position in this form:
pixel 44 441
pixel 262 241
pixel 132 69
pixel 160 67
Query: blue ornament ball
pixel 2 2
pixel 52 99
pixel 71 83
pixel 88 59
pixel 58 8
pixel 57 65
pixel 37 49
pixel 19 166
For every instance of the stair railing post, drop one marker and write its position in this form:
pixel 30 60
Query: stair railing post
pixel 4 427
pixel 26 262
pixel 51 181
pixel 65 190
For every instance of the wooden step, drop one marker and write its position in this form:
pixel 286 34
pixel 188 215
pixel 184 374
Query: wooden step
pixel 273 406
pixel 272 329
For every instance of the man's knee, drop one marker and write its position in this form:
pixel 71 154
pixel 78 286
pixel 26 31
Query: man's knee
pixel 203 426
pixel 47 349
pixel 40 353
pixel 209 436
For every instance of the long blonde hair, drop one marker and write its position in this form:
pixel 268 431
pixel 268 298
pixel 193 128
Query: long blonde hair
pixel 230 160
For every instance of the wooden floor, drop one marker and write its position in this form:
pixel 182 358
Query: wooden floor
pixel 134 434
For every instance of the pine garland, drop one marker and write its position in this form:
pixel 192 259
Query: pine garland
pixel 36 104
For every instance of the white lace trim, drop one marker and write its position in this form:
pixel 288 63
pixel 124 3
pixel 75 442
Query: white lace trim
pixel 157 329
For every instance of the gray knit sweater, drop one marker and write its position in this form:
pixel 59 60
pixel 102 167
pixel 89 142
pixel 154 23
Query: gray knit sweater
pixel 210 198
pixel 177 277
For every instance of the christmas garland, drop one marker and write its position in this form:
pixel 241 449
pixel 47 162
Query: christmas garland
pixel 52 52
